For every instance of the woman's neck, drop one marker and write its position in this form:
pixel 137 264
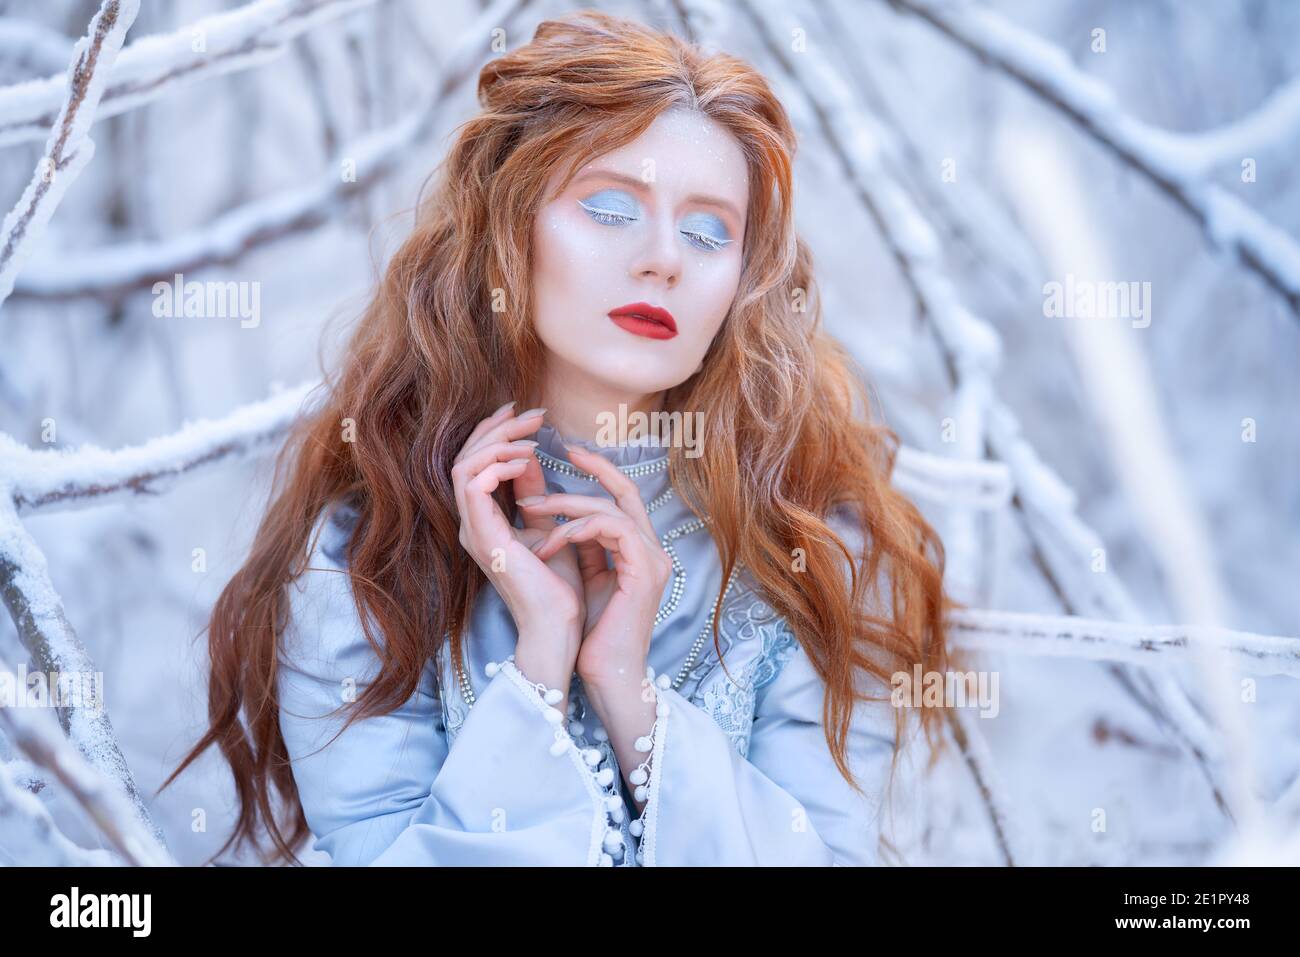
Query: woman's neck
pixel 586 411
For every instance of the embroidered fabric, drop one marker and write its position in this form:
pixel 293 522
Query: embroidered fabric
pixel 732 702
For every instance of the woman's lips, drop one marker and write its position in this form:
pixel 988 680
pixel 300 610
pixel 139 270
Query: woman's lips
pixel 643 319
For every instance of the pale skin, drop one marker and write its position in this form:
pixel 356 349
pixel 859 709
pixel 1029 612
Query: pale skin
pixel 575 614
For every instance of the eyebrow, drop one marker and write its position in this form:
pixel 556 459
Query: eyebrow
pixel 698 198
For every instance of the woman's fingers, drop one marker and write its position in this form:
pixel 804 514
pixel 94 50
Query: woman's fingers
pixel 626 495
pixel 471 465
pixel 478 509
pixel 592 559
pixel 617 534
pixel 563 503
pixel 483 425
pixel 591 556
pixel 481 510
pixel 532 484
pixel 507 428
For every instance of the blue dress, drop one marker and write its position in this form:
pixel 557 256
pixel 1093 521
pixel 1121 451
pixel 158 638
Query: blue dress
pixel 472 770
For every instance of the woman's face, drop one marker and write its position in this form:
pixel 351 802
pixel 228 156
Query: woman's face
pixel 659 222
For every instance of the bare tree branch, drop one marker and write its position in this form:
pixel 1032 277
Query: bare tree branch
pixel 1175 166
pixel 975 752
pixel 97 793
pixel 69 147
pixel 43 628
pixel 113 272
pixel 61 479
pixel 151 66
pixel 1146 645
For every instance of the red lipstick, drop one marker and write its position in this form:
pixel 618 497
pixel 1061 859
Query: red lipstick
pixel 643 319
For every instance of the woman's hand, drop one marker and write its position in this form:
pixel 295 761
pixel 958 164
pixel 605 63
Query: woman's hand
pixel 621 602
pixel 542 593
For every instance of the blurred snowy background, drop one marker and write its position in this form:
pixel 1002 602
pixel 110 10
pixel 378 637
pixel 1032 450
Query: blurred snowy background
pixel 956 161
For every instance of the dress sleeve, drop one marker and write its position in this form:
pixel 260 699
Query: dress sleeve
pixel 783 803
pixel 513 789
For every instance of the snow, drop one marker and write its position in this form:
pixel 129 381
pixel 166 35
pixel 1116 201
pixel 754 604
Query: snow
pixel 68 148
pixel 1146 645
pixel 125 266
pixel 249 36
pixel 31 834
pixel 1175 164
pixel 982 485
pixel 43 626
pixel 88 475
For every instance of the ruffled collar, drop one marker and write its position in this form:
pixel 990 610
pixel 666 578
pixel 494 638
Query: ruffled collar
pixel 644 456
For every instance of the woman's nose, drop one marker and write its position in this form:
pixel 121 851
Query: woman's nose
pixel 661 258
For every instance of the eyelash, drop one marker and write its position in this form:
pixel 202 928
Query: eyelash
pixel 699 240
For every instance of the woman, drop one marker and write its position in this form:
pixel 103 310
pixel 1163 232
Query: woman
pixel 467 636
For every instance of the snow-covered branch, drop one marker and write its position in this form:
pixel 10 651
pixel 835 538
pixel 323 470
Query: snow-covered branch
pixel 1176 165
pixel 975 752
pixel 100 796
pixel 43 628
pixel 69 147
pixel 31 836
pixel 1270 128
pixel 26 775
pixel 979 485
pixel 151 66
pixel 114 271
pixel 68 478
pixel 1147 645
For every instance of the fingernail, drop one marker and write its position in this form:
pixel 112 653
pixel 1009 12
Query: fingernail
pixel 528 442
pixel 571 527
pixel 503 408
pixel 533 412
pixel 574 448
pixel 530 500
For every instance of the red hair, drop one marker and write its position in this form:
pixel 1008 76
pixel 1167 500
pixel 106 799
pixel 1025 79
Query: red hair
pixel 788 439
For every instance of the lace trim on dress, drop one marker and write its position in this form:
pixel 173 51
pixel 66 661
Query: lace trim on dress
pixel 646 777
pixel 607 837
pixel 732 702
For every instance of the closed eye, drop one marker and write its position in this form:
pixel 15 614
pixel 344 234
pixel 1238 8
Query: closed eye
pixel 704 241
pixel 606 216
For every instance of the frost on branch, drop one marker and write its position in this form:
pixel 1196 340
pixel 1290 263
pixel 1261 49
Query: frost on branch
pixel 68 478
pixel 154 65
pixel 112 272
pixel 69 147
pixel 1176 163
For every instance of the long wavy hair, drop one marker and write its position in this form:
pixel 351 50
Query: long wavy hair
pixel 789 433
